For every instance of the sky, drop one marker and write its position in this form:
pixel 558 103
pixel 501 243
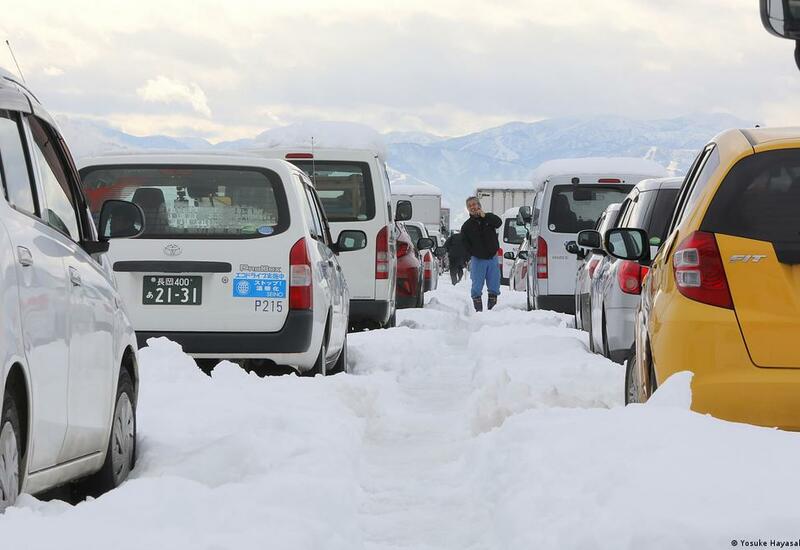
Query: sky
pixel 228 70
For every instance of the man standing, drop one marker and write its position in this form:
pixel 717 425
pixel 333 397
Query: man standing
pixel 456 256
pixel 479 235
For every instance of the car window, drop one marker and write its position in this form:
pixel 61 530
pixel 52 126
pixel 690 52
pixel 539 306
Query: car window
pixel 345 188
pixel 315 216
pixel 660 214
pixel 513 233
pixel 689 184
pixel 624 210
pixel 574 208
pixel 60 212
pixel 194 201
pixel 14 167
pixel 414 232
pixel 636 217
pixel 759 198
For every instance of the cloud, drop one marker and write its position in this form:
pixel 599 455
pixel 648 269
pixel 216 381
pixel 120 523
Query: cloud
pixel 166 90
pixel 53 71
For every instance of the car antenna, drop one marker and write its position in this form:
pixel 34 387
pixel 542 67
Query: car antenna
pixel 14 57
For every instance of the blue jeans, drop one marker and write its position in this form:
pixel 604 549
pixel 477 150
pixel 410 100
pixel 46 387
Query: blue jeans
pixel 487 271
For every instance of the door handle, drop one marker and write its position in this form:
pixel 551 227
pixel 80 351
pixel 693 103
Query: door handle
pixel 25 256
pixel 74 276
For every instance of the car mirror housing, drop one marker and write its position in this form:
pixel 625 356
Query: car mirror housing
pixel 350 240
pixel 782 18
pixel 523 255
pixel 120 220
pixel 403 211
pixel 425 244
pixel 589 238
pixel 628 244
pixel 509 256
pixel 572 247
pixel 524 215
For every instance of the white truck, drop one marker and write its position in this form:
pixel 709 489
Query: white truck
pixel 499 196
pixel 426 199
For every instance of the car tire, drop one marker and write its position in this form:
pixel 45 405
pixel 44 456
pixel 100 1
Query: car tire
pixel 392 322
pixel 341 361
pixel 121 450
pixel 10 460
pixel 319 365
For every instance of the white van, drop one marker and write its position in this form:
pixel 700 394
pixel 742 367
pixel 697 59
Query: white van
pixel 235 261
pixel 353 185
pixel 512 234
pixel 571 195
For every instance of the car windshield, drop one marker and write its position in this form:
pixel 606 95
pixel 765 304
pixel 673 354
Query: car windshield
pixel 513 233
pixel 414 232
pixel 574 208
pixel 345 189
pixel 192 201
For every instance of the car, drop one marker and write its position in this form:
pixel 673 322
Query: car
pixel 353 185
pixel 410 271
pixel 518 278
pixel 512 233
pixel 236 262
pixel 588 260
pixel 571 196
pixel 417 231
pixel 69 369
pixel 720 298
pixel 616 286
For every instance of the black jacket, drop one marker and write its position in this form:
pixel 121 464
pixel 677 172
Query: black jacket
pixel 480 236
pixel 455 246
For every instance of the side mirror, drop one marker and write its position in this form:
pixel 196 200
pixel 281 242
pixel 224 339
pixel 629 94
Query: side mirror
pixel 425 244
pixel 440 252
pixel 628 244
pixel 509 256
pixel 782 19
pixel 403 211
pixel 525 214
pixel 523 255
pixel 589 238
pixel 572 247
pixel 350 240
pixel 120 220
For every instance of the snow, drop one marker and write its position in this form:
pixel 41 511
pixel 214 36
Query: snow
pixel 406 184
pixel 455 430
pixel 525 185
pixel 326 134
pixel 599 165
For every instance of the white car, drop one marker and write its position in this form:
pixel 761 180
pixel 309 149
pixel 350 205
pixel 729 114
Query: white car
pixel 353 185
pixel 512 233
pixel 236 261
pixel 417 230
pixel 571 196
pixel 67 349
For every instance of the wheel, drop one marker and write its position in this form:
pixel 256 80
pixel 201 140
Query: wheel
pixel 319 365
pixel 10 463
pixel 631 392
pixel 341 361
pixel 392 322
pixel 121 451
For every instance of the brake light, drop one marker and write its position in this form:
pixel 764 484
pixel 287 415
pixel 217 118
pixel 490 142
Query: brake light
pixel 699 272
pixel 630 276
pixel 428 265
pixel 299 156
pixel 609 180
pixel 541 258
pixel 382 253
pixel 301 289
pixel 593 266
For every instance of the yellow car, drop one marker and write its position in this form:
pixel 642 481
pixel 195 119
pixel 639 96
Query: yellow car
pixel 722 296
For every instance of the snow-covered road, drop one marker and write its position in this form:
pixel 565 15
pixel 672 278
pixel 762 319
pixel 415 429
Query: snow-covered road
pixel 454 430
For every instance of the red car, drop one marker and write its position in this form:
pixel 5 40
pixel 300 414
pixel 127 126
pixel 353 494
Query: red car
pixel 410 283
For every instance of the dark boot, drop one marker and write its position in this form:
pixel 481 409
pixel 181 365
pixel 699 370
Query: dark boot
pixel 492 300
pixel 478 303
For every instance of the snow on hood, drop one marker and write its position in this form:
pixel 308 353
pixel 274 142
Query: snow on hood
pixel 327 135
pixel 599 165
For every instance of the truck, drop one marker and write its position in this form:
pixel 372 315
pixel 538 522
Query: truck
pixel 426 199
pixel 499 196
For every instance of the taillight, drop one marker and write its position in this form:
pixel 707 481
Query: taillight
pixel 382 254
pixel 541 258
pixel 500 257
pixel 630 276
pixel 428 265
pixel 301 289
pixel 593 266
pixel 609 180
pixel 699 272
pixel 299 156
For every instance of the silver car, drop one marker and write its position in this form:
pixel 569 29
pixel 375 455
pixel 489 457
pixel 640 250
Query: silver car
pixel 617 284
pixel 588 262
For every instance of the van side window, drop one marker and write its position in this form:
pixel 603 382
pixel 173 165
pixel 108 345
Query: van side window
pixel 60 202
pixel 307 210
pixel 315 215
pixel 14 168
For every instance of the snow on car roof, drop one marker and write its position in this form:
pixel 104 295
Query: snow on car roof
pixel 515 184
pixel 327 135
pixel 406 184
pixel 598 165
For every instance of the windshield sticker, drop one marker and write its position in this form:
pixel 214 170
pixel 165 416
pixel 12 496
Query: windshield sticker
pixel 259 285
pixel 265 230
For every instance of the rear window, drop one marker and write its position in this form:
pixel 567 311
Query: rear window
pixel 345 188
pixel 513 233
pixel 759 198
pixel 574 208
pixel 194 201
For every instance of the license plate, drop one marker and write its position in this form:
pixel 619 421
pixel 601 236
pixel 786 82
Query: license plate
pixel 185 290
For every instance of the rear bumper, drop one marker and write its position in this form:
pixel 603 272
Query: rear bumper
pixel 294 337
pixel 562 303
pixel 377 311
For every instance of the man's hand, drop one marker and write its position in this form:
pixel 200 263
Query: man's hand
pixel 481 213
